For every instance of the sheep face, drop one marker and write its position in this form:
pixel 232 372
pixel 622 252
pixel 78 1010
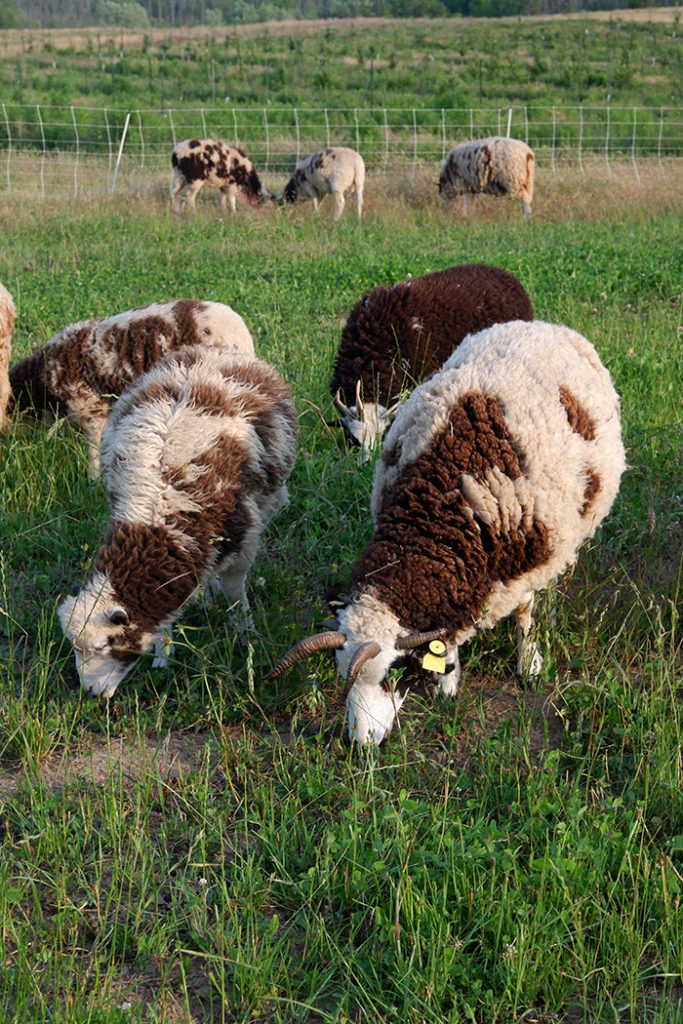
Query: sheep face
pixel 380 662
pixel 364 428
pixel 98 628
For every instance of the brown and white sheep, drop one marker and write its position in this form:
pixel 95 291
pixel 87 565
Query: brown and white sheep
pixel 83 368
pixel 199 162
pixel 496 166
pixel 493 474
pixel 195 460
pixel 397 336
pixel 331 171
pixel 7 316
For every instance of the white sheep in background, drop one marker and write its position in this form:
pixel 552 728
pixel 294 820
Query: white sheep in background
pixel 199 162
pixel 195 460
pixel 83 369
pixel 7 316
pixel 493 474
pixel 332 171
pixel 395 337
pixel 496 165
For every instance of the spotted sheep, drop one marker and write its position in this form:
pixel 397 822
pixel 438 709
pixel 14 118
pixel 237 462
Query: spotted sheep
pixel 195 460
pixel 493 474
pixel 331 171
pixel 199 162
pixel 83 369
pixel 7 317
pixel 397 336
pixel 496 166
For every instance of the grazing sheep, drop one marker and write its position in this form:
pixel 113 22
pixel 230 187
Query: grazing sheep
pixel 83 369
pixel 195 459
pixel 7 316
pixel 493 474
pixel 199 162
pixel 496 165
pixel 332 171
pixel 396 337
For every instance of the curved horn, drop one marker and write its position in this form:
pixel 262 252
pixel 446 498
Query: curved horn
pixel 309 645
pixel 367 650
pixel 359 401
pixel 405 643
pixel 340 405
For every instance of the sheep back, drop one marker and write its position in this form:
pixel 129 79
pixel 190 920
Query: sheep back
pixel 395 337
pixel 495 165
pixel 493 474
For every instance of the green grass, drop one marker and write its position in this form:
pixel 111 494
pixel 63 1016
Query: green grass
pixel 205 847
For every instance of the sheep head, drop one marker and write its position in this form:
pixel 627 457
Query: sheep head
pixel 99 630
pixel 371 649
pixel 364 423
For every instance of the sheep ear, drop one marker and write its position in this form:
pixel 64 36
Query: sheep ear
pixel 119 617
pixel 75 590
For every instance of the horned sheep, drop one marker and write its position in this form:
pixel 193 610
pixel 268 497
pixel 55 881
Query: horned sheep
pixel 195 459
pixel 331 171
pixel 199 162
pixel 7 316
pixel 493 474
pixel 83 368
pixel 395 337
pixel 497 166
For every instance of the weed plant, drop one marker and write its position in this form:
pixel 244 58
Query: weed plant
pixel 205 847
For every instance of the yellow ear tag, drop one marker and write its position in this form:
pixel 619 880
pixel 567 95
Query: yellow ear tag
pixel 434 660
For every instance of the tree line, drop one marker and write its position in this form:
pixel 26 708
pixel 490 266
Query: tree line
pixel 147 13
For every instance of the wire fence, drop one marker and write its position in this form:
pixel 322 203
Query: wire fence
pixel 48 147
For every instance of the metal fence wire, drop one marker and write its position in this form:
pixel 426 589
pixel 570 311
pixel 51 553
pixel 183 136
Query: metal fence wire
pixel 48 147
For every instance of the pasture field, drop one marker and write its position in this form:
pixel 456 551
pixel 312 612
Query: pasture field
pixel 207 847
pixel 621 57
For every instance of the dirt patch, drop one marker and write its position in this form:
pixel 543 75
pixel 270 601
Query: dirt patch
pixel 175 755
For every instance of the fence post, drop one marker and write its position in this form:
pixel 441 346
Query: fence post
pixel 355 118
pixel 142 146
pixel 509 122
pixel 267 130
pixel 170 121
pixel 118 158
pixel 234 121
pixel 42 158
pixel 609 169
pixel 659 140
pixel 443 134
pixel 580 138
pixel 526 125
pixel 552 151
pixel 9 147
pixel 414 144
pixel 386 142
pixel 73 118
pixel 471 123
pixel 298 135
pixel 633 146
pixel 327 127
pixel 203 123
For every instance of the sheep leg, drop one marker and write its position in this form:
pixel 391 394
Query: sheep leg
pixel 176 186
pixel 526 208
pixel 232 583
pixel 529 660
pixel 338 205
pixel 448 681
pixel 192 192
pixel 359 201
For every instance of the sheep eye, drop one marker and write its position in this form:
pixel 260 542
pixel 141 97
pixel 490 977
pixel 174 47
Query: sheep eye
pixel 119 617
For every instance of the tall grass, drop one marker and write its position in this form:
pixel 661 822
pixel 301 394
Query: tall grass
pixel 208 848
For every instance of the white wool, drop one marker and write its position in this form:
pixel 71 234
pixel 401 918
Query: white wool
pixel 7 316
pixel 332 171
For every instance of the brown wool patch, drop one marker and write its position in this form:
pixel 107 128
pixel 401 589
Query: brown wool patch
pixel 591 491
pixel 579 420
pixel 150 573
pixel 432 561
pixel 380 346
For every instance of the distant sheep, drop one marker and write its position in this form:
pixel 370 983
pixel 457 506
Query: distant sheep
pixel 332 171
pixel 83 369
pixel 493 474
pixel 397 336
pixel 7 317
pixel 195 460
pixel 199 162
pixel 497 166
